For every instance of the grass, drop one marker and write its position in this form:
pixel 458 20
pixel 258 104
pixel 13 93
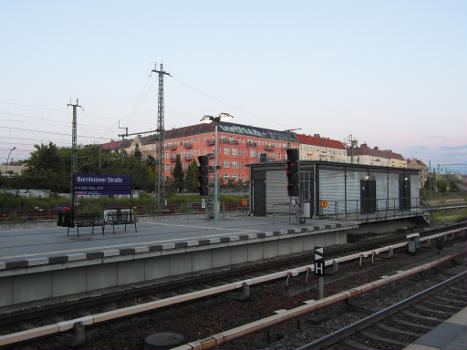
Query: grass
pixel 447 216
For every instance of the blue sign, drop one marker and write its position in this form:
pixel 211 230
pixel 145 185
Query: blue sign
pixel 101 184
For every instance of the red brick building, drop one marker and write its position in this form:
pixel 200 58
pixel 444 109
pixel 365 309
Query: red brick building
pixel 238 145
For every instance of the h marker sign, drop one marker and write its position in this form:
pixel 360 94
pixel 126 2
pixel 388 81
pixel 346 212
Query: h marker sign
pixel 319 261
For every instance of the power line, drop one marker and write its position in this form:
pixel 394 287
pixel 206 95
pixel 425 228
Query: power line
pixel 49 132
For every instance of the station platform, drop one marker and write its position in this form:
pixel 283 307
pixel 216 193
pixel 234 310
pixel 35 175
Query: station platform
pixel 450 335
pixel 45 263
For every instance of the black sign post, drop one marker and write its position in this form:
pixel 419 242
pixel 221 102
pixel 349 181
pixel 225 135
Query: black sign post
pixel 320 266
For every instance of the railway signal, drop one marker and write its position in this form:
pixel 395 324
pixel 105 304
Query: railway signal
pixel 292 171
pixel 203 175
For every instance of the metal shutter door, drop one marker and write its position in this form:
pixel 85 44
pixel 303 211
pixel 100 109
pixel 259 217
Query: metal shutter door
pixel 332 189
pixel 393 202
pixel 276 189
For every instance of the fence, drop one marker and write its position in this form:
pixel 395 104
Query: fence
pixel 186 208
pixel 373 209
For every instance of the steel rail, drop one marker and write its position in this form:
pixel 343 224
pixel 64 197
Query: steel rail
pixel 344 332
pixel 135 309
pixel 310 305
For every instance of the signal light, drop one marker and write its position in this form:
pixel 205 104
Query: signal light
pixel 203 175
pixel 292 171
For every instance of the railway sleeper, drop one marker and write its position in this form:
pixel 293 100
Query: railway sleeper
pixel 436 305
pixel 443 314
pixel 391 329
pixel 450 301
pixel 377 338
pixel 353 344
pixel 423 328
pixel 423 319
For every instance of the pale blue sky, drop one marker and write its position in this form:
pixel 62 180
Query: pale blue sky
pixel 392 73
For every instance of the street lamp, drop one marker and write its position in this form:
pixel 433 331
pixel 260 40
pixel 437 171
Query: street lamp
pixel 206 120
pixel 8 159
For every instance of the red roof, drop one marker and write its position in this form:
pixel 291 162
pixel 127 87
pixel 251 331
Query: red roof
pixel 319 141
pixel 364 150
pixel 111 145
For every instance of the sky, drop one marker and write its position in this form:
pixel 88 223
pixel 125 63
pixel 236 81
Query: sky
pixel 389 73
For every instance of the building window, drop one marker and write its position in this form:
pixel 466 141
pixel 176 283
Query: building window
pixel 252 153
pixel 226 164
pixel 234 177
pixel 234 164
pixel 234 151
pixel 226 150
pixel 226 177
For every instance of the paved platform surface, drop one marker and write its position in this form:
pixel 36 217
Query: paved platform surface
pixel 48 242
pixel 450 335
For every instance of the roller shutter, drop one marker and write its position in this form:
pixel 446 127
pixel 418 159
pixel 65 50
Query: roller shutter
pixel 332 189
pixel 381 191
pixel 414 191
pixel 393 200
pixel 353 191
pixel 276 189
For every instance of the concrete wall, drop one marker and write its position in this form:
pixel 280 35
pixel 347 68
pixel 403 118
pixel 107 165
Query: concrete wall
pixel 93 272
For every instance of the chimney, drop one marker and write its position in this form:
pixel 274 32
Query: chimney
pixel 316 135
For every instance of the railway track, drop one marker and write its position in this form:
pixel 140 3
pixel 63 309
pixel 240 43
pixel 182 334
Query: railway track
pixel 70 313
pixel 402 323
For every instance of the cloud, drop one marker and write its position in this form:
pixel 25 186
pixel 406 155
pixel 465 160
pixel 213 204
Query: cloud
pixel 453 148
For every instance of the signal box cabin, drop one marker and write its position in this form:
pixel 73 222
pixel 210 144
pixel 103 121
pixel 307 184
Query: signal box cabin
pixel 339 190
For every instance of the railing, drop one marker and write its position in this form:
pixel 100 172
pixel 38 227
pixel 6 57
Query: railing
pixel 251 144
pixel 188 145
pixel 269 148
pixel 373 210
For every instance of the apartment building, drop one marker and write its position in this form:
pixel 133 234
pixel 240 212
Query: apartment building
pixel 238 145
pixel 323 149
pixel 374 156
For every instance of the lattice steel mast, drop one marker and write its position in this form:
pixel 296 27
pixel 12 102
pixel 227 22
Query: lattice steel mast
pixel 160 136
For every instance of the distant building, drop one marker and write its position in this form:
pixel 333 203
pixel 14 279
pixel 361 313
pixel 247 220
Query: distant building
pixel 16 168
pixel 323 149
pixel 418 164
pixel 116 146
pixel 374 156
pixel 238 146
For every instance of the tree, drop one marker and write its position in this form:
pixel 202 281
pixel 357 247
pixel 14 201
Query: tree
pixel 47 169
pixel 178 174
pixel 191 178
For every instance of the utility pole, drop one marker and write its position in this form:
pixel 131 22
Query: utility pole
pixel 288 131
pixel 74 152
pixel 160 135
pixel 353 142
pixel 123 139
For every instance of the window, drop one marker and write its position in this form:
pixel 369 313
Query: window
pixel 226 164
pixel 234 177
pixel 252 153
pixel 234 151
pixel 234 164
pixel 226 177
pixel 226 150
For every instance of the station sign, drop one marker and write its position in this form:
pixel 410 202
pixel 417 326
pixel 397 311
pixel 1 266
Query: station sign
pixel 101 184
pixel 319 261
